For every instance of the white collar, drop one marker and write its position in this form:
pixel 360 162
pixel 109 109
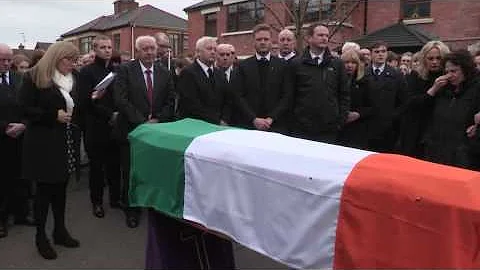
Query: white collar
pixel 203 66
pixel 268 56
pixel 288 56
pixel 320 56
pixel 381 68
pixel 144 68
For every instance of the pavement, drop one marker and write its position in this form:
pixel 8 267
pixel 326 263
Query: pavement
pixel 104 243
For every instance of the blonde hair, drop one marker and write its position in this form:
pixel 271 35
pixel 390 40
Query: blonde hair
pixel 353 56
pixel 42 72
pixel 434 44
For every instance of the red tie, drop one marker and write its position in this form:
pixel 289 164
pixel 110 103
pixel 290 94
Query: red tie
pixel 149 89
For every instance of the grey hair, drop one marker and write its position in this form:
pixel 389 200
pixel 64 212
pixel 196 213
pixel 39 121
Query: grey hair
pixel 350 46
pixel 286 31
pixel 141 39
pixel 202 41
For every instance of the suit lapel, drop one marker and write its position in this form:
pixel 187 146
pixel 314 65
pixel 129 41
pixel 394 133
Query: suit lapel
pixel 202 77
pixel 140 80
pixel 254 72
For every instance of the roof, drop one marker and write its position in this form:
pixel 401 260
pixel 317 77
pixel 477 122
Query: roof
pixel 397 35
pixel 146 16
pixel 202 4
pixel 42 45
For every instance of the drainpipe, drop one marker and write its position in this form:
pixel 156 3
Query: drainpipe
pixel 132 45
pixel 365 17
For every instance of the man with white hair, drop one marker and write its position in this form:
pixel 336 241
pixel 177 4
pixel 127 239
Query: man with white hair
pixel 203 95
pixel 225 58
pixel 287 41
pixel 143 93
pixel 11 129
pixel 202 87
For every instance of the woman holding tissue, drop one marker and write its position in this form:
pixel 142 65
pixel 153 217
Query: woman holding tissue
pixel 51 143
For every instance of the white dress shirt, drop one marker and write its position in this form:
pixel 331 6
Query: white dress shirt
pixel 381 68
pixel 320 57
pixel 268 56
pixel 204 67
pixel 7 76
pixel 288 56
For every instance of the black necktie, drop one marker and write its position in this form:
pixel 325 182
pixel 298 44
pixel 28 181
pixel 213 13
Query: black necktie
pixel 4 79
pixel 377 71
pixel 316 60
pixel 211 78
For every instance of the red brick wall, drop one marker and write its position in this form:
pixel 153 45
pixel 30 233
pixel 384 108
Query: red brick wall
pixel 456 22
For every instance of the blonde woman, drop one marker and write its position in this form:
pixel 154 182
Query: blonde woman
pixel 354 133
pixel 417 115
pixel 51 141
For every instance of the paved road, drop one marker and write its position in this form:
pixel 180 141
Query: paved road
pixel 105 243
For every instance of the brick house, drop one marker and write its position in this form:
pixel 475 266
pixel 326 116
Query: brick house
pixel 127 23
pixel 454 22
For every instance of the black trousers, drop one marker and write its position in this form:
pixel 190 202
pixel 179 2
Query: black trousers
pixel 13 190
pixel 125 185
pixel 50 195
pixel 104 163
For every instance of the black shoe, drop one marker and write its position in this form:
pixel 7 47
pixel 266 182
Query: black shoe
pixel 45 249
pixel 65 239
pixel 98 210
pixel 116 205
pixel 3 229
pixel 132 221
pixel 27 221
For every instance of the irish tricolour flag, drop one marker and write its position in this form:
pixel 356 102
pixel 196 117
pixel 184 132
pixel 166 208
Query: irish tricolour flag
pixel 308 204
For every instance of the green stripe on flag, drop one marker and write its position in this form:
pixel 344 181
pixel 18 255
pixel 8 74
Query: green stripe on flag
pixel 157 177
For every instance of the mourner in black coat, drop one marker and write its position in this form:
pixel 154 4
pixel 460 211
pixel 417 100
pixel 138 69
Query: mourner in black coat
pixel 262 94
pixel 13 189
pixel 387 89
pixel 143 93
pixel 99 116
pixel 49 97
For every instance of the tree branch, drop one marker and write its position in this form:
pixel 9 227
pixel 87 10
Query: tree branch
pixel 337 27
pixel 275 15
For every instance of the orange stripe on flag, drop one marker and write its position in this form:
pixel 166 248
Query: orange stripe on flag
pixel 399 212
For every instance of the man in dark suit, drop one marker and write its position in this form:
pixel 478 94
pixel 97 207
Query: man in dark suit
pixel 387 89
pixel 99 115
pixel 224 60
pixel 143 93
pixel 13 190
pixel 287 41
pixel 262 93
pixel 203 88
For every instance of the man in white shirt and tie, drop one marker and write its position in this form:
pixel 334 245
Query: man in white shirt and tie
pixel 224 60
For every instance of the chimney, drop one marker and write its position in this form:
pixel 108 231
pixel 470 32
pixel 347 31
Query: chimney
pixel 120 6
pixel 21 47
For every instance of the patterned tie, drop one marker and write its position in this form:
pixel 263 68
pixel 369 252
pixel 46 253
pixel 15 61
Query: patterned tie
pixel 148 72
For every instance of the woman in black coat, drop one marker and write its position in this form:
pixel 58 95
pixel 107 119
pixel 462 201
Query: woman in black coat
pixel 355 133
pixel 51 143
pixel 455 100
pixel 418 110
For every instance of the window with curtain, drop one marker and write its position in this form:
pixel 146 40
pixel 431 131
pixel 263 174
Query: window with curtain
pixel 245 15
pixel 416 9
pixel 86 44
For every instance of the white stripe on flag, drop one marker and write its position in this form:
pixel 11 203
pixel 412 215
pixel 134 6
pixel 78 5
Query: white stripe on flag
pixel 277 195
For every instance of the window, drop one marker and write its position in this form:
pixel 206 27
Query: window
pixel 317 10
pixel 86 44
pixel 116 42
pixel 244 16
pixel 175 44
pixel 416 9
pixel 211 24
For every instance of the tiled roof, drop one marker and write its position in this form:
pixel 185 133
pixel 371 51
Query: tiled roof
pixel 147 16
pixel 202 4
pixel 397 35
pixel 42 45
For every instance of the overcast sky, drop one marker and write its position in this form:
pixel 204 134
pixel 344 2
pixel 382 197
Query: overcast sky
pixel 46 20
